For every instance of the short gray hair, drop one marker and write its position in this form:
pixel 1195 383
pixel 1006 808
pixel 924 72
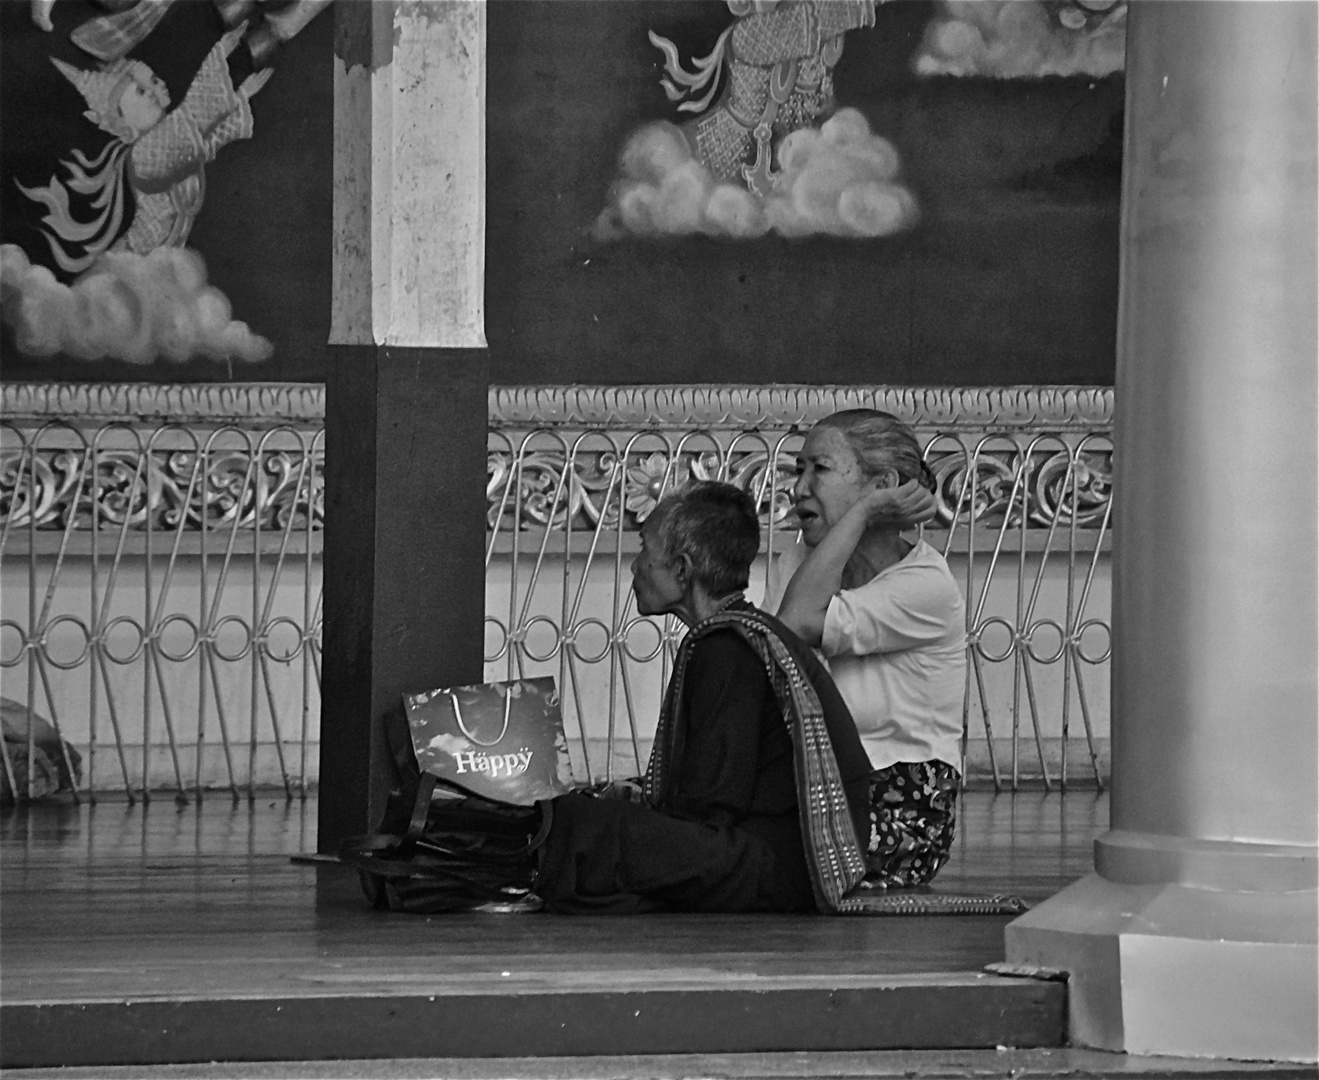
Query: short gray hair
pixel 716 526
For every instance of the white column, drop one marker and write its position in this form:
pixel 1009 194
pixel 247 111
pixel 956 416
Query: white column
pixel 1197 934
pixel 409 178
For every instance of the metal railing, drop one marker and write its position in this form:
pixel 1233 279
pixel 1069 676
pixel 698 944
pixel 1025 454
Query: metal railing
pixel 162 590
pixel 1023 518
pixel 171 583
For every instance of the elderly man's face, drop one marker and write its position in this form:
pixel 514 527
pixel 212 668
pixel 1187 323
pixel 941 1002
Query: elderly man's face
pixel 655 579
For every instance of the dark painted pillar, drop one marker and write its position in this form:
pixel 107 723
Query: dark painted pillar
pixel 406 389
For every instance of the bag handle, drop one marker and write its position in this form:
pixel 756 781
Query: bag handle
pixel 462 725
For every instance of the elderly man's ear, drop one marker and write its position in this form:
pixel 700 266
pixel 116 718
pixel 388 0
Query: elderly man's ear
pixel 683 569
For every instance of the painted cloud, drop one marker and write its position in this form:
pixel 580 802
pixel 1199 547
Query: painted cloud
pixel 839 180
pixel 1012 39
pixel 136 308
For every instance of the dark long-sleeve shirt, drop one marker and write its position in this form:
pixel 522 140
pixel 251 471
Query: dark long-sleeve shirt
pixel 726 835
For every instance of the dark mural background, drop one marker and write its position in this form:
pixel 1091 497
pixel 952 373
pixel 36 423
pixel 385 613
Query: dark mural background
pixel 1009 276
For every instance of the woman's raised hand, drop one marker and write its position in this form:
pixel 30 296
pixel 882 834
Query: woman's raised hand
pixel 903 507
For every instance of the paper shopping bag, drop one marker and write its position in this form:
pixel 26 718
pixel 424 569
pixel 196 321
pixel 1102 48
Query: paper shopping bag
pixel 500 740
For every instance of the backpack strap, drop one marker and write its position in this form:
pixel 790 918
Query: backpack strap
pixel 421 808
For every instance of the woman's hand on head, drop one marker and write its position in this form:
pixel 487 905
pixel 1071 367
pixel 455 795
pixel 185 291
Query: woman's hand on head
pixel 901 507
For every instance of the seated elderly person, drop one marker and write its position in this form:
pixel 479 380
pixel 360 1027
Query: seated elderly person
pixel 757 781
pixel 757 784
pixel 890 621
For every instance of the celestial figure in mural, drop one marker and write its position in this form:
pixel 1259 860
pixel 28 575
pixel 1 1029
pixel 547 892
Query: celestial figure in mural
pixel 1010 39
pixel 160 155
pixel 116 221
pixel 770 154
pixel 780 57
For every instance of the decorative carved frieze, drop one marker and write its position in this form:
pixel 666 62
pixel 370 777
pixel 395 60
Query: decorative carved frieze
pixel 207 456
pixel 1052 408
pixel 259 404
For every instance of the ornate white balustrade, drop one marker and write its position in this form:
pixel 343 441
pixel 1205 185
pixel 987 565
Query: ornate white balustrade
pixel 161 573
pixel 161 585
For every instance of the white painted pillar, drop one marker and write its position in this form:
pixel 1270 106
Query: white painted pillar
pixel 406 384
pixel 409 175
pixel 1197 934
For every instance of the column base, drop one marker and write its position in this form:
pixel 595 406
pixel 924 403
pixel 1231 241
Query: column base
pixel 1170 969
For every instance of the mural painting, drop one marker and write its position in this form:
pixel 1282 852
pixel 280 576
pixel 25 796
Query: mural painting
pixel 776 152
pixel 772 153
pixel 820 191
pixel 97 262
pixel 740 191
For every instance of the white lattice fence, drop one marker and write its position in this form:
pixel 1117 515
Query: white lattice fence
pixel 159 558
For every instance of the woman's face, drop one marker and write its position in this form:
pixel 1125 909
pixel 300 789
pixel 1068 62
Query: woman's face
pixel 830 481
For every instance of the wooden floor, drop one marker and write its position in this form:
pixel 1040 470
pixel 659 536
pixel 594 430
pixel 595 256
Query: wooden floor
pixel 154 934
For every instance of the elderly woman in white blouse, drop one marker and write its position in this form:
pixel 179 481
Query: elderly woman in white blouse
pixel 890 620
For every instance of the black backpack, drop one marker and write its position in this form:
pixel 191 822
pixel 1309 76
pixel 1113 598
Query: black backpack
pixel 439 848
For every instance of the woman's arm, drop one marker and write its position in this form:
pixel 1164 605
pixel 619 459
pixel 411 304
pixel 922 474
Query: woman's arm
pixel 820 576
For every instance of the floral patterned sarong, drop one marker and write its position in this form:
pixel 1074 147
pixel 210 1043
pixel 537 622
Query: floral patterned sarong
pixel 913 813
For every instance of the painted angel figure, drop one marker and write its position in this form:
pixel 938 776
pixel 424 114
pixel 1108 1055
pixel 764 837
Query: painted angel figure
pixel 161 155
pixel 779 56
